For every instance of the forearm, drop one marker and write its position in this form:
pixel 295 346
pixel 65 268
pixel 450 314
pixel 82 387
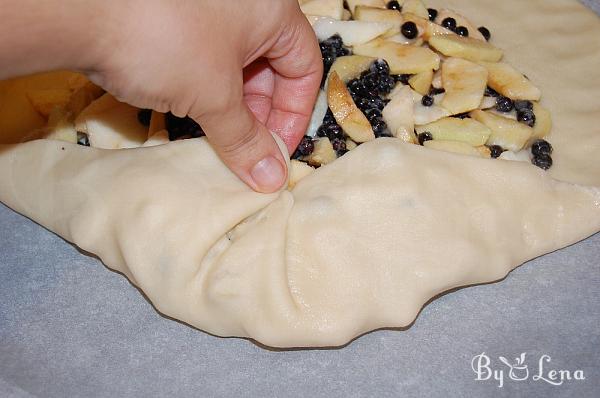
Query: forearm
pixel 43 35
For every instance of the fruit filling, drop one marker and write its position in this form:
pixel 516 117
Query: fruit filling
pixel 426 76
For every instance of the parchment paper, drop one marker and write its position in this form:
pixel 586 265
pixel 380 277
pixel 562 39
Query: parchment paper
pixel 71 328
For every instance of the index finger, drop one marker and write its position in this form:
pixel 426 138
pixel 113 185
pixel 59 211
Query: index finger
pixel 296 60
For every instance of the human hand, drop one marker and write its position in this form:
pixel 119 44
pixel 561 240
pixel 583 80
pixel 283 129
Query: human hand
pixel 240 69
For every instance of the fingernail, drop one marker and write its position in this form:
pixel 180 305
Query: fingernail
pixel 268 174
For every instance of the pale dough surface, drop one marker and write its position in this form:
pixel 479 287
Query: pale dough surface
pixel 362 243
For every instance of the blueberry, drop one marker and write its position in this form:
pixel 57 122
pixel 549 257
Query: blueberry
pixel 386 85
pixel 372 114
pixel 394 5
pixel 504 104
pixel 379 127
pixel 355 86
pixel 370 81
pixel 335 41
pixel 334 131
pixel 433 13
pixel 83 139
pixel 381 67
pixel 306 146
pixel 496 151
pixel 485 32
pixel 490 92
pixel 462 115
pixel 329 118
pixel 424 137
pixel 363 104
pixel 182 127
pixel 449 23
pixel 435 91
pixel 427 100
pixel 523 105
pixel 376 103
pixel 144 116
pixel 339 145
pixel 462 31
pixel 541 147
pixel 342 52
pixel 543 161
pixel 322 131
pixel 328 60
pixel 526 116
pixel 409 30
pixel 402 78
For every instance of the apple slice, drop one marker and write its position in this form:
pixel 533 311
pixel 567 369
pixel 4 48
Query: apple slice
pixel 428 114
pixel 543 122
pixel 374 14
pixel 421 82
pixel 437 79
pixel 507 133
pixel 401 39
pixel 453 129
pixel 111 124
pixel 352 4
pixel 45 100
pixel 346 113
pixel 83 97
pixel 298 171
pixel 398 114
pixel 464 82
pixel 465 47
pixel 160 137
pixel 511 83
pixel 351 145
pixel 324 8
pixel 415 7
pixel 427 29
pixel 158 123
pixel 60 126
pixel 402 59
pixel 454 147
pixel 351 66
pixel 318 113
pixel 323 153
pixel 460 21
pixel 487 103
pixel 352 32
pixel 521 156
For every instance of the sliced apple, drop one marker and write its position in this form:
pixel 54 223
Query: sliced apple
pixel 323 153
pixel 464 82
pixel 158 123
pixel 487 103
pixel 460 21
pixel 83 97
pixel 45 100
pixel 401 39
pixel 346 113
pixel 318 113
pixel 453 129
pixel 437 79
pixel 352 4
pixel 421 82
pixel 428 114
pixel 507 133
pixel 324 8
pixel 298 170
pixel 427 29
pixel 398 114
pixel 511 83
pixel 347 15
pixel 351 145
pixel 465 47
pixel 543 122
pixel 454 147
pixel 352 32
pixel 484 151
pixel 111 124
pixel 374 14
pixel 401 58
pixel 60 126
pixel 415 7
pixel 160 137
pixel 351 66
pixel 521 156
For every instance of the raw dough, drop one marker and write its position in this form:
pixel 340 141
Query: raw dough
pixel 358 245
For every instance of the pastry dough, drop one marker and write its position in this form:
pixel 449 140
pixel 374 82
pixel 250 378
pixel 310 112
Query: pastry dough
pixel 360 244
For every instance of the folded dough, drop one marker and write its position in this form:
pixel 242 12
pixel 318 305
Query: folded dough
pixel 358 245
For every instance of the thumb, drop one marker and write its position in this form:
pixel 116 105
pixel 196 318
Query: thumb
pixel 246 147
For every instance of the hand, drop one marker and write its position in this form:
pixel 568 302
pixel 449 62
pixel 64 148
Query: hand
pixel 241 69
